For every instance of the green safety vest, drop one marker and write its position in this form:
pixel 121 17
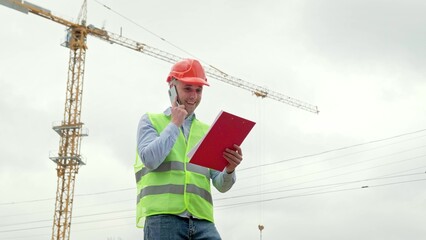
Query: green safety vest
pixel 176 185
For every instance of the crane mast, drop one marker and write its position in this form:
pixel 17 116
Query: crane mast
pixel 68 159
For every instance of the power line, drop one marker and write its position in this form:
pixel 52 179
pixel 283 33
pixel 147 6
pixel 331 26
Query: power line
pixel 74 231
pixel 105 192
pixel 239 196
pixel 349 154
pixel 317 193
pixel 74 223
pixel 317 186
pixel 334 150
pixel 267 164
pixel 77 195
pixel 340 174
pixel 24 229
pixel 234 204
pixel 27 201
pixel 78 216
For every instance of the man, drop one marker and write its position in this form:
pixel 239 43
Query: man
pixel 174 195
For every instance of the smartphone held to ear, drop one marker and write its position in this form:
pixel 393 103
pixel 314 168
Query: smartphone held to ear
pixel 173 95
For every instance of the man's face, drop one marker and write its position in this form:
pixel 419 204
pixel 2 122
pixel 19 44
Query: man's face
pixel 189 95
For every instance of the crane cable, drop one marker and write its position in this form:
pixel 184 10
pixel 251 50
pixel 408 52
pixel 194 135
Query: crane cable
pixel 146 29
pixel 260 144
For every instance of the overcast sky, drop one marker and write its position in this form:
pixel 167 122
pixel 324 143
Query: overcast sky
pixel 356 170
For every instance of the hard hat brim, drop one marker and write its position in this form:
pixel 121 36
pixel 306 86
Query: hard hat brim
pixel 194 81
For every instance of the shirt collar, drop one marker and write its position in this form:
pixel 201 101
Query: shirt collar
pixel 168 112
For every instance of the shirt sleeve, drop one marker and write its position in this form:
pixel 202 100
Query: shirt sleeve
pixel 153 147
pixel 222 181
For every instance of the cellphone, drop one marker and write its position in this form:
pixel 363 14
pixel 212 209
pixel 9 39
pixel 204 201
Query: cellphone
pixel 173 95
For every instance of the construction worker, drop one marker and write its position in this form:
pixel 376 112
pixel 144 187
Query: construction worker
pixel 174 198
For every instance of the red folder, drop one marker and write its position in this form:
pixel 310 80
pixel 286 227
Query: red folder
pixel 227 130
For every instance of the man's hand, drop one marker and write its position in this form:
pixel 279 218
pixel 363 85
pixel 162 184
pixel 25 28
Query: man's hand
pixel 179 114
pixel 234 158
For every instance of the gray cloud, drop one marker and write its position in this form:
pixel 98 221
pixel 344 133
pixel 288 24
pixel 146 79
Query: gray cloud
pixel 368 31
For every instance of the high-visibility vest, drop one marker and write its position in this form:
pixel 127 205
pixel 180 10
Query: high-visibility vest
pixel 176 185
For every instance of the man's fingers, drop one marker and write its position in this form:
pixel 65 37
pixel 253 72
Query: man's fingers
pixel 238 149
pixel 232 156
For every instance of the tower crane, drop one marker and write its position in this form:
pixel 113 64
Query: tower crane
pixel 68 160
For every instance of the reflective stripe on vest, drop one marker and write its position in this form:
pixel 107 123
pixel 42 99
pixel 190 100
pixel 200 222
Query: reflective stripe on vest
pixel 174 165
pixel 175 189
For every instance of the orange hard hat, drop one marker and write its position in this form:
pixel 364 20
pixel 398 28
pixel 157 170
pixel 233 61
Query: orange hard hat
pixel 188 71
